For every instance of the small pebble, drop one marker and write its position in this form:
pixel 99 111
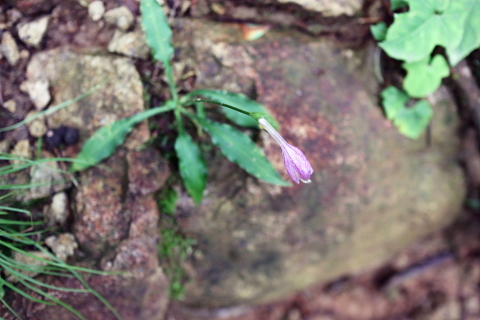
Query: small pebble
pixel 53 138
pixel 63 246
pixel 57 211
pixel 62 136
pixel 70 136
pixel 22 149
pixel 32 33
pixel 96 9
pixel 131 44
pixel 9 48
pixel 13 15
pixel 36 127
pixel 38 92
pixel 122 17
pixel 5 146
pixel 10 105
pixel 32 259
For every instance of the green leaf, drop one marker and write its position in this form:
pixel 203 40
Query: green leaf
pixel 157 30
pixel 193 167
pixel 412 122
pixel 379 31
pixel 240 149
pixel 237 100
pixel 471 36
pixel 159 37
pixel 428 23
pixel 424 78
pixel 106 139
pixel 394 100
pixel 397 4
pixel 102 144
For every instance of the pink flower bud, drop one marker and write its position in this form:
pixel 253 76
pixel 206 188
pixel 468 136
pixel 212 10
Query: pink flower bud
pixel 297 164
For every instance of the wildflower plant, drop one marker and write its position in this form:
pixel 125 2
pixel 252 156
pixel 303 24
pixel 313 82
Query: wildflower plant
pixel 233 143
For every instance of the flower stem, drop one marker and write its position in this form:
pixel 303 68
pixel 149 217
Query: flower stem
pixel 220 104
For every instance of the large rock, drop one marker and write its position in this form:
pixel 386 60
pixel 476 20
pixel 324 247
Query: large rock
pixel 338 18
pixel 373 192
pixel 326 7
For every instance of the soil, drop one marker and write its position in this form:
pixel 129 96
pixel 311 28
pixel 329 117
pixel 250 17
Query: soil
pixel 436 278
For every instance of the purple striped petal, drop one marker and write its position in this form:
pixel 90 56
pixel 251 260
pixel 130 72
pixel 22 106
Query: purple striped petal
pixel 296 163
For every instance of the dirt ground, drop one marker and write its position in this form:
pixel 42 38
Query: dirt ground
pixel 436 278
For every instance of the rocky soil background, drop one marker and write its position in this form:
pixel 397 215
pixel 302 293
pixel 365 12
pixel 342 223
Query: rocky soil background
pixel 381 233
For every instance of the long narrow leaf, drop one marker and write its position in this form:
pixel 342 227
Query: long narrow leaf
pixel 193 168
pixel 10 309
pixel 57 262
pixel 104 142
pixel 240 149
pixel 23 293
pixel 157 30
pixel 20 275
pixel 159 37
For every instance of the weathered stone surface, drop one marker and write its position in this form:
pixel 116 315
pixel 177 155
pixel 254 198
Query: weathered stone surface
pixel 319 17
pixel 71 73
pixel 120 226
pixel 134 298
pixel 147 172
pixel 373 191
pixel 328 7
pixel 33 7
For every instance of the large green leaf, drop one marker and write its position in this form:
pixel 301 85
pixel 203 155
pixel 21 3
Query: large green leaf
pixel 471 36
pixel 157 30
pixel 106 139
pixel 102 144
pixel 193 167
pixel 379 31
pixel 394 100
pixel 424 78
pixel 237 100
pixel 411 122
pixel 397 4
pixel 428 23
pixel 240 149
